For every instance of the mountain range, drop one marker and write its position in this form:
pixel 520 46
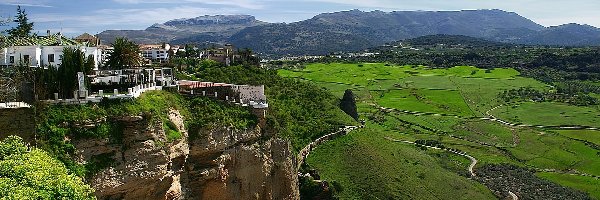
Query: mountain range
pixel 357 30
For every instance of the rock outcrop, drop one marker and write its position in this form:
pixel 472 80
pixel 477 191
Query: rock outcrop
pixel 221 163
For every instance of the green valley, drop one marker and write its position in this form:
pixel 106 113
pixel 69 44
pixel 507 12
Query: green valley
pixel 452 106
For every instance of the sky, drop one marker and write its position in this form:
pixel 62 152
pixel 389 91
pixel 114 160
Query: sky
pixel 73 17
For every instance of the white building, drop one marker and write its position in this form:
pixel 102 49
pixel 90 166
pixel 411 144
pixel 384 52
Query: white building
pixel 156 53
pixel 43 51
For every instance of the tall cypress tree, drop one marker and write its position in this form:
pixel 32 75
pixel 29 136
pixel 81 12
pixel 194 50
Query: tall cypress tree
pixel 24 27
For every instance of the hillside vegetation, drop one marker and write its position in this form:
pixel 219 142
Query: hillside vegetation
pixel 30 173
pixel 298 110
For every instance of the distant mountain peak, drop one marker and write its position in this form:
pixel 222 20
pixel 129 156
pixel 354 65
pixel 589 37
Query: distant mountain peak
pixel 352 30
pixel 213 19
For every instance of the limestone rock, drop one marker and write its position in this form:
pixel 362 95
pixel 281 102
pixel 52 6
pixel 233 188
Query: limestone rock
pixel 222 163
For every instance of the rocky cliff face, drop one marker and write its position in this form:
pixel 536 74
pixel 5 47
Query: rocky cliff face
pixel 17 121
pixel 220 164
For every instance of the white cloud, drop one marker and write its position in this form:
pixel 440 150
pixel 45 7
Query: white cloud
pixel 31 3
pixel 136 17
pixel 248 4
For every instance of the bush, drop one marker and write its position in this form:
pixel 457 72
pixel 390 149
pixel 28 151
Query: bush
pixel 30 173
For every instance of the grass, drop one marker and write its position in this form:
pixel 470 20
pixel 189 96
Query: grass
pixel 433 101
pixel 484 131
pixel 171 131
pixel 367 166
pixel 552 151
pixel 587 135
pixel 550 114
pixel 586 184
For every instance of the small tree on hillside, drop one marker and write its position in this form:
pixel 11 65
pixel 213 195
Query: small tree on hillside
pixel 125 54
pixel 24 27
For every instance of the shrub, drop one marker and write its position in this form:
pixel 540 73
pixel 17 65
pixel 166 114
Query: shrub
pixel 30 173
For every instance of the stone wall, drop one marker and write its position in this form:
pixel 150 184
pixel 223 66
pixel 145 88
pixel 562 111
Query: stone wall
pixel 17 121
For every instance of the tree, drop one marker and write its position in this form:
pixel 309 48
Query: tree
pixel 190 52
pixel 30 173
pixel 73 61
pixel 247 58
pixel 24 27
pixel 125 54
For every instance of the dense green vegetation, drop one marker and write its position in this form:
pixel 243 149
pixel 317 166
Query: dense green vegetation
pixel 586 135
pixel 449 104
pixel 24 27
pixel 529 94
pixel 30 173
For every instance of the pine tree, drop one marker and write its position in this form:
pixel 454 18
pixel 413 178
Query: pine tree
pixel 24 27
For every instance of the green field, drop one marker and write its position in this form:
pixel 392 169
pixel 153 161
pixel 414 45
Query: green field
pixel 368 166
pixel 477 88
pixel 431 101
pixel 587 135
pixel 550 114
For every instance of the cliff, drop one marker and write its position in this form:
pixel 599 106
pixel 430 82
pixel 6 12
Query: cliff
pixel 17 121
pixel 221 163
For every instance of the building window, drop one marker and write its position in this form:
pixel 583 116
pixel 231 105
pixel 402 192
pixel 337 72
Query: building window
pixel 12 59
pixel 50 57
pixel 26 59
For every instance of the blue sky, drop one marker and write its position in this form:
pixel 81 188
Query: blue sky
pixel 74 17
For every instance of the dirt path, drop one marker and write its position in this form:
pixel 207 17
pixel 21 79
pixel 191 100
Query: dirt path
pixel 473 159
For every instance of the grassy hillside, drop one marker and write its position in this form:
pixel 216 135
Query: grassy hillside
pixel 446 105
pixel 370 167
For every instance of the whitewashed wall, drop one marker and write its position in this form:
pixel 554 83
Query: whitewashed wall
pixel 38 55
pixel 251 93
